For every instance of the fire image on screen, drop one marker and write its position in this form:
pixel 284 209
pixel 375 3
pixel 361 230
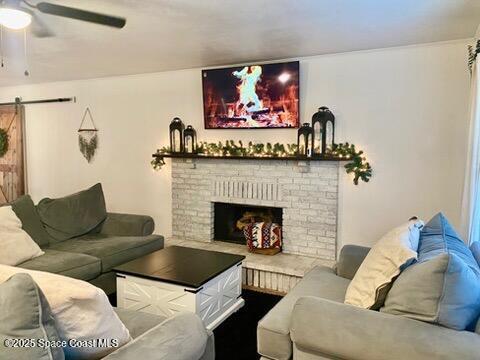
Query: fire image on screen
pixel 255 96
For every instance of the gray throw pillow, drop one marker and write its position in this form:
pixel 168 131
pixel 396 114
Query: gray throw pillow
pixel 26 316
pixel 31 223
pixel 74 215
pixel 443 287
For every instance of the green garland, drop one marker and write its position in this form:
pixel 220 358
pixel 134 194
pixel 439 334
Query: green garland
pixel 230 148
pixel 158 161
pixel 3 142
pixel 356 165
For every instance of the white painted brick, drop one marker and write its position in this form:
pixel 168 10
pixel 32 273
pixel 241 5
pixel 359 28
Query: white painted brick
pixel 301 205
pixel 268 280
pixel 309 187
pixel 262 279
pixel 307 191
pixel 302 181
pixel 291 187
pixel 274 281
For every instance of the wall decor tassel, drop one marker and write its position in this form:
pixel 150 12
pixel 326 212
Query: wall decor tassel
pixel 88 137
pixel 1 48
pixel 26 72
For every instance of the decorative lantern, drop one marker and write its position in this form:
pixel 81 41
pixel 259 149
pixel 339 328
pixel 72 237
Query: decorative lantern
pixel 323 124
pixel 176 135
pixel 305 140
pixel 190 140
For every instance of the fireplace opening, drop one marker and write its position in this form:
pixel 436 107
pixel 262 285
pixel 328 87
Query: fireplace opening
pixel 230 219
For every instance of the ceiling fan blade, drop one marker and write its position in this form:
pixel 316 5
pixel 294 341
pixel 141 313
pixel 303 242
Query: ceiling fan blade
pixel 84 15
pixel 39 29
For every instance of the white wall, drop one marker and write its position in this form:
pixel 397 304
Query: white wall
pixel 407 107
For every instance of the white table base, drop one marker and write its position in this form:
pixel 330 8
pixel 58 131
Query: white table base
pixel 213 302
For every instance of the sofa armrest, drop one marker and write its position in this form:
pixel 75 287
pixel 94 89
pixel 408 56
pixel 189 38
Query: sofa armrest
pixel 351 257
pixel 181 337
pixel 336 330
pixel 128 225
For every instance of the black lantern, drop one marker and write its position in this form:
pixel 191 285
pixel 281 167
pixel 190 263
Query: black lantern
pixel 323 124
pixel 305 140
pixel 190 140
pixel 176 135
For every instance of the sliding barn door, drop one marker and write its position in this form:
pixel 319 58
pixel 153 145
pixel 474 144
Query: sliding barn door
pixel 12 164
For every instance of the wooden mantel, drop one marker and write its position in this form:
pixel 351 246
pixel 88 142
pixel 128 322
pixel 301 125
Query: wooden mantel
pixel 234 157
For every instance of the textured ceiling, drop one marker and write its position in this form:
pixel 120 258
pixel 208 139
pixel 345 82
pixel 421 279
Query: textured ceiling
pixel 176 34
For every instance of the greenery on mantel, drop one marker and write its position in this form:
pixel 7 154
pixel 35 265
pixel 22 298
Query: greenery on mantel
pixel 356 162
pixel 3 142
pixel 252 149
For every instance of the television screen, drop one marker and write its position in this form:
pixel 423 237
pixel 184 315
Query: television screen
pixel 255 96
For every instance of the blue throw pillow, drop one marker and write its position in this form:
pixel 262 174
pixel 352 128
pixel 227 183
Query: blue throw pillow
pixel 443 287
pixel 475 249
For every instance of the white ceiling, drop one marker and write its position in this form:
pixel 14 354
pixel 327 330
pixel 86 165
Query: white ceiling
pixel 176 34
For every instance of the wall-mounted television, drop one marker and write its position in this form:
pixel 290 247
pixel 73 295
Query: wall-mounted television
pixel 252 97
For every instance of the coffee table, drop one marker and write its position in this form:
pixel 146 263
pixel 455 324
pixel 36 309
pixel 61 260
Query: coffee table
pixel 179 279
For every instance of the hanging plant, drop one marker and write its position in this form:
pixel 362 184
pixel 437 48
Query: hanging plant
pixel 88 138
pixel 88 142
pixel 3 142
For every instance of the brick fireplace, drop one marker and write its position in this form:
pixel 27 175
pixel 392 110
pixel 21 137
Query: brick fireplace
pixel 305 191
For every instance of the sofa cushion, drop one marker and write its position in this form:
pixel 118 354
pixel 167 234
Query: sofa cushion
pixel 31 223
pixel 128 225
pixel 444 286
pixel 273 331
pixel 387 258
pixel 26 315
pixel 180 337
pixel 81 311
pixel 74 215
pixel 112 250
pixel 138 322
pixel 350 259
pixel 78 266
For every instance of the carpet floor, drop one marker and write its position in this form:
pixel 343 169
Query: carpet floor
pixel 236 337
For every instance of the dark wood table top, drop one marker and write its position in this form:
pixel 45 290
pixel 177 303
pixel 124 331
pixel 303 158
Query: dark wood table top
pixel 180 265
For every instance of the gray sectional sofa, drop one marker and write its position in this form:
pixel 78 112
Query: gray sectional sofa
pixel 90 256
pixel 182 337
pixel 110 239
pixel 312 322
pixel 26 316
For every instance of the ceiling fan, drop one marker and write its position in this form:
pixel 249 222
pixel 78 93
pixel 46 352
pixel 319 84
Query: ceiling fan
pixel 19 14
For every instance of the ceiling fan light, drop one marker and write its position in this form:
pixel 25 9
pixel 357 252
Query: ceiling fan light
pixel 14 19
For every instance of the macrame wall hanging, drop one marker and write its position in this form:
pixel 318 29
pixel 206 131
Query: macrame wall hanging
pixel 473 52
pixel 88 137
